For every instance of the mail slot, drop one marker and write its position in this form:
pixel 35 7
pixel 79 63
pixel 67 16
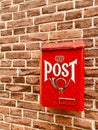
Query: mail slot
pixel 62 75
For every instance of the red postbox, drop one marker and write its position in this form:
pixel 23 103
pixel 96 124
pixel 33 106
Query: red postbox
pixel 62 75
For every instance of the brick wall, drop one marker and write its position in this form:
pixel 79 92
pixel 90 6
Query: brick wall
pixel 24 26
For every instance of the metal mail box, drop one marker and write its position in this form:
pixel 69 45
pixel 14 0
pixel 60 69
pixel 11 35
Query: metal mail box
pixel 62 75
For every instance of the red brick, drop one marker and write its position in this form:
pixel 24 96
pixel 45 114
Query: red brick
pixel 33 63
pixel 1 86
pixel 17 96
pixel 6 32
pixel 19 23
pixel 1 56
pixel 29 105
pixel 19 15
pixel 4 110
pixel 17 1
pixel 19 31
pixel 64 25
pixel 65 35
pixel 32 4
pixel 88 104
pixel 6 17
pixel 18 55
pixel 96 61
pixel 48 10
pixel 18 120
pixel 89 83
pixel 96 125
pixel 83 3
pixel 7 72
pixel 47 126
pixel 36 89
pixel 73 15
pixel 91 12
pixel 65 6
pixel 15 112
pixel 91 53
pixel 18 63
pixel 6 48
pixel 6 79
pixel 91 72
pixel 96 22
pixel 96 104
pixel 49 18
pixel 18 80
pixel 32 29
pixel 16 127
pixel 24 72
pixel 56 1
pixel 32 80
pixel 4 126
pixel 31 97
pixel 96 85
pixel 5 3
pixel 18 47
pixel 2 25
pixel 91 114
pixel 90 32
pixel 36 55
pixel 4 94
pixel 96 2
pixel 96 42
pixel 34 12
pixel 33 46
pixel 63 120
pixel 46 117
pixel 83 23
pixel 91 94
pixel 89 62
pixel 83 123
pixel 7 102
pixel 34 37
pixel 30 114
pixel 10 39
pixel 47 27
pixel 18 88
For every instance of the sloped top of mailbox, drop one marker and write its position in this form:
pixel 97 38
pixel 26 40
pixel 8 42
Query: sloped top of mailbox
pixel 63 45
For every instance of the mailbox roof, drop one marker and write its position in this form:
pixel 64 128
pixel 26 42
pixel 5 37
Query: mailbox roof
pixel 63 45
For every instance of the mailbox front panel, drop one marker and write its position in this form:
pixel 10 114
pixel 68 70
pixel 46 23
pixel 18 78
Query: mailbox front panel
pixel 62 79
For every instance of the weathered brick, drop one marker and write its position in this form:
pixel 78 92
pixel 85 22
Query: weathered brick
pixel 96 22
pixel 18 120
pixel 6 32
pixel 15 112
pixel 19 31
pixel 73 15
pixel 96 61
pixel 18 47
pixel 46 126
pixel 48 10
pixel 32 80
pixel 65 6
pixel 2 25
pixel 18 88
pixel 47 27
pixel 30 114
pixel 6 17
pixel 90 32
pixel 83 3
pixel 91 94
pixel 63 120
pixel 10 39
pixel 17 1
pixel 19 23
pixel 4 94
pixel 4 125
pixel 33 63
pixel 56 1
pixel 46 117
pixel 24 72
pixel 89 83
pixel 6 48
pixel 88 104
pixel 96 2
pixel 5 3
pixel 18 79
pixel 49 18
pixel 17 96
pixel 19 15
pixel 91 72
pixel 96 125
pixel 7 102
pixel 91 114
pixel 64 25
pixel 90 12
pixel 6 79
pixel 32 29
pixel 33 46
pixel 96 85
pixel 89 62
pixel 65 34
pixel 91 53
pixel 34 37
pixel 7 72
pixel 36 55
pixel 32 4
pixel 16 127
pixel 34 12
pixel 36 88
pixel 4 110
pixel 18 55
pixel 83 23
pixel 31 97
pixel 18 63
pixel 83 123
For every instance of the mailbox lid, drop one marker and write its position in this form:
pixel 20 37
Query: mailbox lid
pixel 63 45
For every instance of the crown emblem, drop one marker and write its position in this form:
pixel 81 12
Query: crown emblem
pixel 59 58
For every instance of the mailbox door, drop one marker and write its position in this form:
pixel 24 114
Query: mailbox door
pixel 62 78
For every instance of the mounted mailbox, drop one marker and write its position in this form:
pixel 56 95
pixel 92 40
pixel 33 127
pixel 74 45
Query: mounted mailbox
pixel 62 75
